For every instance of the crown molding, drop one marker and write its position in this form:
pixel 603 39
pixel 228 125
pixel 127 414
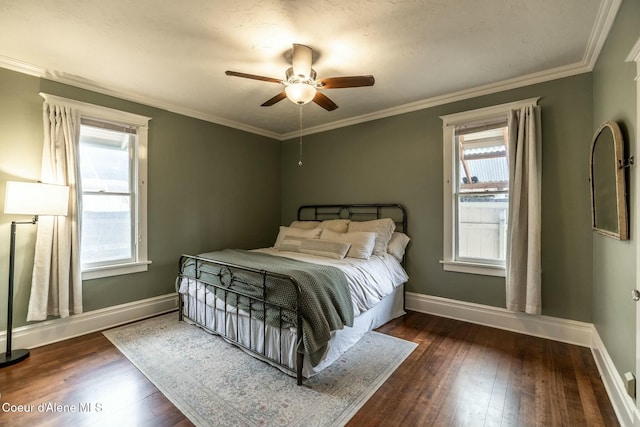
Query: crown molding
pixel 600 31
pixel 58 77
pixel 634 55
pixel 21 67
pixel 541 77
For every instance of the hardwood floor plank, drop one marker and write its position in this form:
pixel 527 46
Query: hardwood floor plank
pixel 477 377
pixel 497 407
pixel 460 374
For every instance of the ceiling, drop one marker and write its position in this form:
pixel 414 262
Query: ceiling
pixel 173 55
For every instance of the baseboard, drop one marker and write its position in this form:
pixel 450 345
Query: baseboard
pixel 569 331
pixel 50 331
pixel 623 404
pixel 563 330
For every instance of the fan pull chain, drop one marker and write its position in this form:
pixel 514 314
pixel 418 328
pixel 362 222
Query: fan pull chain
pixel 300 155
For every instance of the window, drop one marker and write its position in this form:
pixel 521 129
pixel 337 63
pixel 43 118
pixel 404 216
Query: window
pixel 482 195
pixel 112 192
pixel 112 189
pixel 476 190
pixel 107 169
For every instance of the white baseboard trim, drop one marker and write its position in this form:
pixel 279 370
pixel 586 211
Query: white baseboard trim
pixel 50 331
pixel 569 331
pixel 563 330
pixel 623 404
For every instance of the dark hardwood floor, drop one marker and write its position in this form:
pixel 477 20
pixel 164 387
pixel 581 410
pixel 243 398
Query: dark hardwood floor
pixel 459 375
pixel 469 375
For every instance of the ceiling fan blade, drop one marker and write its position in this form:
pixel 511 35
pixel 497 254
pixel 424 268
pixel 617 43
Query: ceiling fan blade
pixel 323 100
pixel 279 97
pixel 301 58
pixel 252 76
pixel 343 82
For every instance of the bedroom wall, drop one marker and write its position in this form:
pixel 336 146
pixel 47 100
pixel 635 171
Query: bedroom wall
pixel 209 187
pixel 399 159
pixel 614 94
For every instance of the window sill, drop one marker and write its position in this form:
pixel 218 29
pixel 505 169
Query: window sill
pixel 115 270
pixel 474 268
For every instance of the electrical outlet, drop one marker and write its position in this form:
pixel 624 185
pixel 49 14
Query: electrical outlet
pixel 630 384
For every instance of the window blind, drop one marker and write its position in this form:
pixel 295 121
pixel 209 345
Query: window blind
pixel 132 130
pixel 479 127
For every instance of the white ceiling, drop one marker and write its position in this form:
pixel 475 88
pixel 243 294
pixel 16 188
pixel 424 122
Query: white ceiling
pixel 174 54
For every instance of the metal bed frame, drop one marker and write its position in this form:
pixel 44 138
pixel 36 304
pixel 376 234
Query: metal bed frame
pixel 229 277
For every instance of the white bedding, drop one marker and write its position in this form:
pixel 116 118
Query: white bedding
pixel 376 291
pixel 279 345
pixel 369 280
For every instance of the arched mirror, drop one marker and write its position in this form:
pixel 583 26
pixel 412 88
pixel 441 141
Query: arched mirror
pixel 608 187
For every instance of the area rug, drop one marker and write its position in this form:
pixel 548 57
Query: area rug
pixel 216 384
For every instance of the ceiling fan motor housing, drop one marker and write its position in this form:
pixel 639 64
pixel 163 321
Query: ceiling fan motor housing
pixel 301 60
pixel 297 78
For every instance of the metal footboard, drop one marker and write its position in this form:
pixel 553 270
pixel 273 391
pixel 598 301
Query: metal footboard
pixel 235 282
pixel 246 291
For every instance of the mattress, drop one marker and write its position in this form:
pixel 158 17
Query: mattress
pixel 279 345
pixel 377 292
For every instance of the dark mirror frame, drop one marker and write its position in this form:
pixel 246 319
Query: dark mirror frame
pixel 608 186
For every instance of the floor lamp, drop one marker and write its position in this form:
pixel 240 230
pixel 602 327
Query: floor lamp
pixel 27 198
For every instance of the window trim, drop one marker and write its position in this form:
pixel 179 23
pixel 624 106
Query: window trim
pixel 106 114
pixel 449 122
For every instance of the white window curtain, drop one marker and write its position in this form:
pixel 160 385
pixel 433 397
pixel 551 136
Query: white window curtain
pixel 56 285
pixel 523 264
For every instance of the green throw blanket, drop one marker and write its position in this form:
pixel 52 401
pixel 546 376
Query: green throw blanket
pixel 326 303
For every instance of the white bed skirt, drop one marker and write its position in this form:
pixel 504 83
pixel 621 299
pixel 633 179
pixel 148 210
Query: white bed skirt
pixel 250 332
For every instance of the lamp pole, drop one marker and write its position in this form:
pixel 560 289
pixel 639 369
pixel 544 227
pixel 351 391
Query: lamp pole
pixel 28 198
pixel 10 357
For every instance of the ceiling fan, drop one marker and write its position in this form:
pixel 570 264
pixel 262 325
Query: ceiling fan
pixel 301 86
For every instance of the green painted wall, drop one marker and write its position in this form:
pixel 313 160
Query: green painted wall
pixel 614 94
pixel 399 159
pixel 210 187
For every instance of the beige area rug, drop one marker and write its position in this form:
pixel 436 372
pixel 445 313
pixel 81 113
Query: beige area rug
pixel 216 384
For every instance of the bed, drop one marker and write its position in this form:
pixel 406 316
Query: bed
pixel 331 276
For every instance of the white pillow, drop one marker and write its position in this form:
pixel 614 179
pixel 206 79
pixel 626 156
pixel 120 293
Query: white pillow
pixel 337 225
pixel 398 244
pixel 325 248
pixel 314 233
pixel 383 228
pixel 306 225
pixel 361 243
pixel 291 243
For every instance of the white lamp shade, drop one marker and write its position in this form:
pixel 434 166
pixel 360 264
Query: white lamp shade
pixel 32 198
pixel 300 93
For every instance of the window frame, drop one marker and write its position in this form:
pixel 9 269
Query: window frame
pixel 450 261
pixel 98 113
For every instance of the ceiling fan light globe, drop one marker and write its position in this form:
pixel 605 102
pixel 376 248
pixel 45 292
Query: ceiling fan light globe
pixel 300 93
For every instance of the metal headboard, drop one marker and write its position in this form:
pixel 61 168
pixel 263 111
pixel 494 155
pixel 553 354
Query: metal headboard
pixel 357 212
